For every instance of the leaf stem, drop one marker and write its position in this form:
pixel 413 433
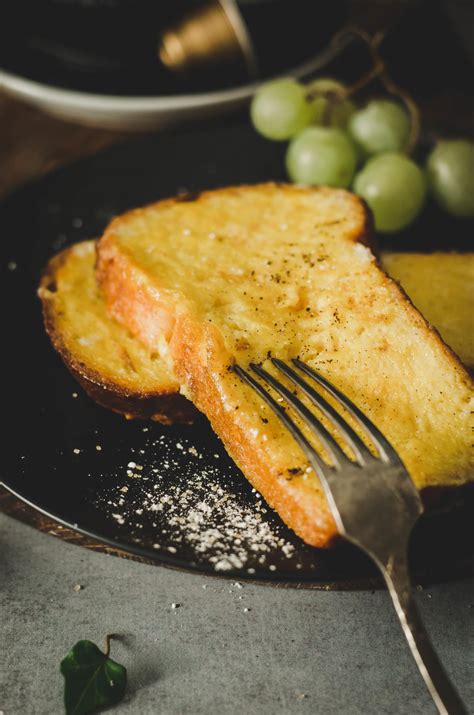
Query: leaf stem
pixel 108 638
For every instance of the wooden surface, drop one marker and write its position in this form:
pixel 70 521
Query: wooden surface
pixel 32 143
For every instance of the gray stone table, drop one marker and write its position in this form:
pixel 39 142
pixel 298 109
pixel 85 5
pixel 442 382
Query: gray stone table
pixel 252 649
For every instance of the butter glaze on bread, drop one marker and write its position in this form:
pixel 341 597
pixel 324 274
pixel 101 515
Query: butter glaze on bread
pixel 115 369
pixel 237 272
pixel 441 286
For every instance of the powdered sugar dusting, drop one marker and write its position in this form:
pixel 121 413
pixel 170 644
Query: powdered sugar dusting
pixel 183 498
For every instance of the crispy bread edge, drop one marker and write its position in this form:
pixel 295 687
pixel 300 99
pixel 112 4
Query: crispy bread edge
pixel 165 406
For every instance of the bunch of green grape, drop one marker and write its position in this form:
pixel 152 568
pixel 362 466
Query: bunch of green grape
pixel 363 149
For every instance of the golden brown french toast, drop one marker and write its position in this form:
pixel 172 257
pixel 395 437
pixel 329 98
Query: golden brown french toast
pixel 441 286
pixel 230 275
pixel 239 272
pixel 115 369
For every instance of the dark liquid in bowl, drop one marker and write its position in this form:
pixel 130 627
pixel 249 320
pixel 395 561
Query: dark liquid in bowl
pixel 110 46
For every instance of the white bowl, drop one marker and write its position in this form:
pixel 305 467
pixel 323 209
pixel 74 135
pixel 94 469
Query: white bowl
pixel 138 113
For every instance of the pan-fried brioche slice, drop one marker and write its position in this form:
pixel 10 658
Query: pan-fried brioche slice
pixel 114 368
pixel 441 285
pixel 230 275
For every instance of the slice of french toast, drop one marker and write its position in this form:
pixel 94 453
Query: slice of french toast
pixel 441 286
pixel 115 369
pixel 237 274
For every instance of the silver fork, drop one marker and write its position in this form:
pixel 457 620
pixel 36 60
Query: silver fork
pixel 372 498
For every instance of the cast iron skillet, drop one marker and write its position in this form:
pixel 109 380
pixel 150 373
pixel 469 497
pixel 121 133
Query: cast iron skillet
pixel 69 458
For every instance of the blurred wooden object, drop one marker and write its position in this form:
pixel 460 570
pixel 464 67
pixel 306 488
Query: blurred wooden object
pixel 32 143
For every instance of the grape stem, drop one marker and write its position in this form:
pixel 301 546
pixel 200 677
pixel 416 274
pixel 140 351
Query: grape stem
pixel 377 71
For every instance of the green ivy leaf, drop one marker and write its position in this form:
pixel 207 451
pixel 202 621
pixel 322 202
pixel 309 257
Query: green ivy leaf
pixel 92 679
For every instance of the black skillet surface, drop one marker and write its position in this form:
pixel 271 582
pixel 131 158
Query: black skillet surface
pixel 91 469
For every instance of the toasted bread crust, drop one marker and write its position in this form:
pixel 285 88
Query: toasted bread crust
pixel 161 407
pixel 200 360
pixel 310 517
pixel 165 405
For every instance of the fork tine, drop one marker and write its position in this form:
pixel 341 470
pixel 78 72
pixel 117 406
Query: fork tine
pixel 384 448
pixel 327 440
pixel 314 459
pixel 360 450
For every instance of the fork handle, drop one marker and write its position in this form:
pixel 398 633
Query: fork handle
pixel 436 679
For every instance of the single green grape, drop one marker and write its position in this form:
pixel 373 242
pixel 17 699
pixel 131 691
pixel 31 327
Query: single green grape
pixel 279 109
pixel 380 126
pixel 321 155
pixel 395 189
pixel 450 171
pixel 342 110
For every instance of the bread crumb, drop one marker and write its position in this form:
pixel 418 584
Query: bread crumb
pixel 363 253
